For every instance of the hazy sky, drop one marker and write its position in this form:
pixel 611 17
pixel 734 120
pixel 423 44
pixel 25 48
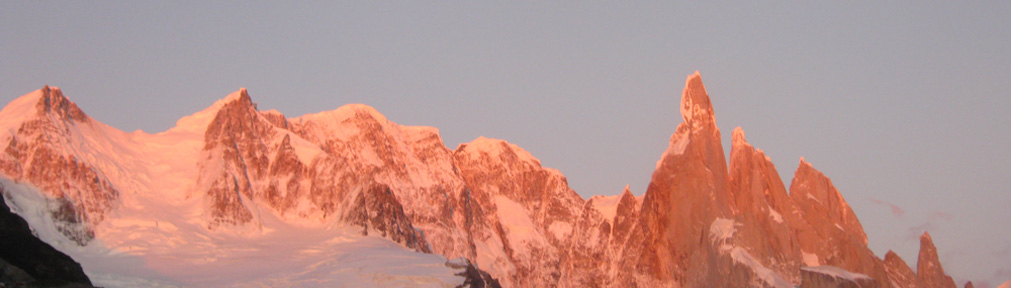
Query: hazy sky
pixel 904 105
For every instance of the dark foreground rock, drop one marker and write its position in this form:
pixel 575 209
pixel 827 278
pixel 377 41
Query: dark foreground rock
pixel 474 278
pixel 26 261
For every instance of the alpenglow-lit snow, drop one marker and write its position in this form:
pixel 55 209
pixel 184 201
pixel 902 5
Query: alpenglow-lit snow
pixel 150 248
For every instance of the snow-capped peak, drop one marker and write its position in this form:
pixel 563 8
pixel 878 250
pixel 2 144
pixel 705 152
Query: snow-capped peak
pixel 48 100
pixel 53 101
pixel 496 149
pixel 197 122
pixel 20 109
pixel 347 111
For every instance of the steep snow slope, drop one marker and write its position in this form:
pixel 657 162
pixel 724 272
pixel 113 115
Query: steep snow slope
pixel 154 225
pixel 149 247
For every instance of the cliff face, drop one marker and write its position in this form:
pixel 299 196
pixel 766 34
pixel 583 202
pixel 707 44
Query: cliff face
pixel 40 149
pixel 899 274
pixel 688 190
pixel 928 267
pixel 771 222
pixel 840 239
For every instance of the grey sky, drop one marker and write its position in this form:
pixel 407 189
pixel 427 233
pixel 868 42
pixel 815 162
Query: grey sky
pixel 903 104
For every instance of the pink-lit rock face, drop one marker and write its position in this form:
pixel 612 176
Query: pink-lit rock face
pixel 928 267
pixel 899 273
pixel 839 239
pixel 688 190
pixel 820 201
pixel 768 214
pixel 526 209
pixel 37 152
pixel 233 175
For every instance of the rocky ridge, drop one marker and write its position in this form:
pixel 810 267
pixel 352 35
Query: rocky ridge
pixel 488 201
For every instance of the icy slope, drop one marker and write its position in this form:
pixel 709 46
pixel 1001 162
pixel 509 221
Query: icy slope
pixel 150 248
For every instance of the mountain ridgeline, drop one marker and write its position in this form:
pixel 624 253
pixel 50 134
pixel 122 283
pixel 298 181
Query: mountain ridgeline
pixel 702 222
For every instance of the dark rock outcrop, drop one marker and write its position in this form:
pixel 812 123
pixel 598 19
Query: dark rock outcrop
pixel 29 256
pixel 374 207
pixel 473 277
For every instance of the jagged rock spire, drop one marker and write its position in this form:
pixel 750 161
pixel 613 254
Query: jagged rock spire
pixel 53 101
pixel 899 273
pixel 696 109
pixel 928 266
pixel 818 198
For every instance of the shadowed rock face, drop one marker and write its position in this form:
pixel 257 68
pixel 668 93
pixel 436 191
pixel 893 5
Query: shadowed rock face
pixel 727 260
pixel 375 208
pixel 473 277
pixel 30 255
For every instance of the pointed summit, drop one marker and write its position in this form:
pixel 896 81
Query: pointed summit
pixel 738 137
pixel 899 273
pixel 197 122
pixel 688 190
pixel 821 201
pixel 51 101
pixel 334 123
pixel 242 96
pixel 755 183
pixel 928 266
pixel 237 115
pixel 497 149
pixel 696 109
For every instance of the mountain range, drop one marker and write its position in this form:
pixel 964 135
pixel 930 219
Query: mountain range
pixel 238 196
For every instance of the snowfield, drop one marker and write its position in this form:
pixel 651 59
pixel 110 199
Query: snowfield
pixel 134 250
